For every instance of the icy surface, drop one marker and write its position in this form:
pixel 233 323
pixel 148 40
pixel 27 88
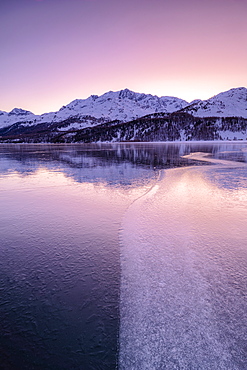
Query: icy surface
pixel 183 256
pixel 61 208
pixel 184 268
pixel 59 272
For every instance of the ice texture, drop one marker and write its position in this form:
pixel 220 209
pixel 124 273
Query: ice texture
pixel 184 268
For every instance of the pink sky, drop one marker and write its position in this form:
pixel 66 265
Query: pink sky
pixel 54 51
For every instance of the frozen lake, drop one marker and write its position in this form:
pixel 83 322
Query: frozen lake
pixel 123 255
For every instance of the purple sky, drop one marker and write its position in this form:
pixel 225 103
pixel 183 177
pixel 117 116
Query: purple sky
pixel 54 51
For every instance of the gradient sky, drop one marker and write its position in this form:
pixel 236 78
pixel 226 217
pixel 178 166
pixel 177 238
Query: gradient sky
pixel 54 51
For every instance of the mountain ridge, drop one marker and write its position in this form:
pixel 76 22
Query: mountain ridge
pixel 126 105
pixel 112 116
pixel 123 105
pixel 229 103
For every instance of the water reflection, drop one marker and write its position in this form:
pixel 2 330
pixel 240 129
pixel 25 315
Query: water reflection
pixel 59 273
pixel 61 210
pixel 110 163
pixel 98 162
pixel 59 255
pixel 148 155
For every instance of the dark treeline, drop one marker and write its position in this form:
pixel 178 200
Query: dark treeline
pixel 178 126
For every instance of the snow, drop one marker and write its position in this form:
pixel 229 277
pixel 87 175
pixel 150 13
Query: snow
pixel 16 115
pixel 229 135
pixel 231 103
pixel 126 105
pixel 123 105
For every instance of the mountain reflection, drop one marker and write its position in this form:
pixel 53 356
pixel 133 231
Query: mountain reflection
pixel 122 163
pixel 81 223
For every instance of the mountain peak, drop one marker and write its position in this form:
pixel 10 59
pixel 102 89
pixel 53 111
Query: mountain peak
pixel 229 103
pixel 127 94
pixel 126 105
pixel 19 112
pixel 94 97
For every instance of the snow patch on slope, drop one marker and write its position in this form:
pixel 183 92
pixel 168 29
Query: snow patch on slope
pixel 124 105
pixel 16 115
pixel 231 103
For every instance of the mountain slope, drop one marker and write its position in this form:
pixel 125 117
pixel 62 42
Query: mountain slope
pixel 231 103
pixel 123 105
pixel 178 126
pixel 97 114
pixel 16 115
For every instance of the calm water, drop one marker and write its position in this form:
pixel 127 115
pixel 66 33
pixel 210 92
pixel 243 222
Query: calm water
pixel 129 256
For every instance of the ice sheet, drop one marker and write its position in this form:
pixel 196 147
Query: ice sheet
pixel 184 268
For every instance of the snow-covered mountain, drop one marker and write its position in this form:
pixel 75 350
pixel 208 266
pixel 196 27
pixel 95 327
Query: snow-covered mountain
pixel 231 103
pixel 123 105
pixel 16 115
